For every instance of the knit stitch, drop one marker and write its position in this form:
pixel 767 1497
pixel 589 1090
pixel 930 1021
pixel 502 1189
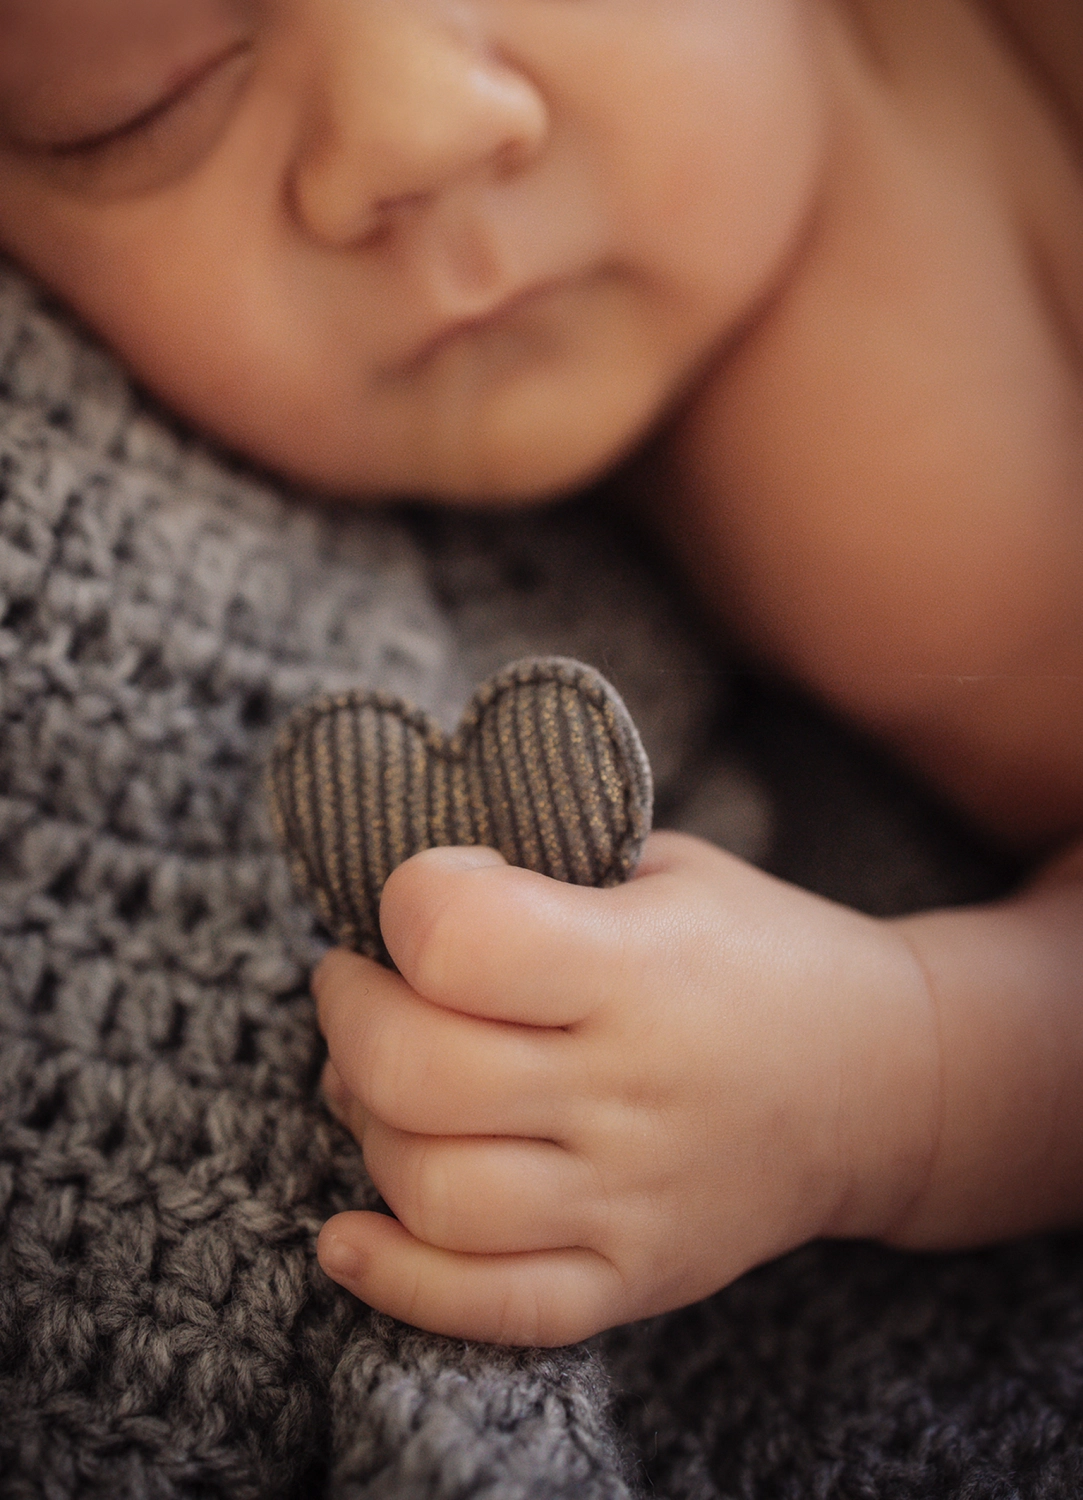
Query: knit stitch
pixel 164 1162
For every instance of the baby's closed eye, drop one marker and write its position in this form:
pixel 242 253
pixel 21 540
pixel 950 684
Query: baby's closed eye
pixel 119 96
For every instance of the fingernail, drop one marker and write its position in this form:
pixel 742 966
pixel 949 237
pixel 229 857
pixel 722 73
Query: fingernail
pixel 339 1259
pixel 463 856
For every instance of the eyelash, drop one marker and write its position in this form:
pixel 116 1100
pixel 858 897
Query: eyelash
pixel 131 132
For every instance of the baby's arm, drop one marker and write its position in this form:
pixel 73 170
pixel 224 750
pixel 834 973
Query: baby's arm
pixel 1007 984
pixel 589 1106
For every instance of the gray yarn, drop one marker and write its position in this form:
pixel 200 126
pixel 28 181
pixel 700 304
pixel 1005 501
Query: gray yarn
pixel 164 1163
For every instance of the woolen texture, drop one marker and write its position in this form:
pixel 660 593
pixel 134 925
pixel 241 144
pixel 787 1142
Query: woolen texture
pixel 165 1163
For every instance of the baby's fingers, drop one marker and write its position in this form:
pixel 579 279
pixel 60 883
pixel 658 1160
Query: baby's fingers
pixel 476 935
pixel 429 1070
pixel 484 1196
pixel 545 1298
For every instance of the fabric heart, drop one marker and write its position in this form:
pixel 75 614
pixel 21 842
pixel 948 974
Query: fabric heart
pixel 546 766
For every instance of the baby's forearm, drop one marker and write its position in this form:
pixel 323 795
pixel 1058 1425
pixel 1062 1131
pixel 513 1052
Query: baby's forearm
pixel 1006 982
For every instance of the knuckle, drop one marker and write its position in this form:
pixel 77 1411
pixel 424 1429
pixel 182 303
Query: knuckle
pixel 384 1073
pixel 593 1300
pixel 436 957
pixel 532 1315
pixel 430 1198
pixel 327 978
pixel 556 1326
pixel 414 1297
pixel 519 1319
pixel 336 1096
pixel 379 1170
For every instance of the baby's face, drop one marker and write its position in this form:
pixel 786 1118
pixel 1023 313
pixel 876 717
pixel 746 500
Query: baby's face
pixel 452 248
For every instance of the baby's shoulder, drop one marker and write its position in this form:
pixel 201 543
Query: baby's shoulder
pixel 879 484
pixel 988 95
pixel 1043 38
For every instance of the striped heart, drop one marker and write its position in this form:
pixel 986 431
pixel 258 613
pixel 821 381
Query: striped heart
pixel 546 766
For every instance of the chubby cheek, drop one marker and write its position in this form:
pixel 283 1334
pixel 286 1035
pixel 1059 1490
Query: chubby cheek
pixel 278 364
pixel 228 352
pixel 196 295
pixel 200 320
pixel 717 149
pixel 272 352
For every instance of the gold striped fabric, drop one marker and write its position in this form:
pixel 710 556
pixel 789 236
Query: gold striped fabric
pixel 546 766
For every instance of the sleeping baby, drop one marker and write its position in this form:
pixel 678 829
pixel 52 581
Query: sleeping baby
pixel 813 271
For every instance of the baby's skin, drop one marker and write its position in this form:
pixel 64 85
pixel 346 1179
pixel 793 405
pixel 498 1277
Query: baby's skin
pixel 815 267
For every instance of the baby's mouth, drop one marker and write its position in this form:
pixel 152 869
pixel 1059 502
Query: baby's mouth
pixel 516 312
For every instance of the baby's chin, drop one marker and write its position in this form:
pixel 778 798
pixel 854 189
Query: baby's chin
pixel 462 479
pixel 518 454
pixel 540 466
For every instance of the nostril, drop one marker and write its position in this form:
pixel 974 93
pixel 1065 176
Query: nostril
pixel 387 214
pixel 510 159
pixel 376 237
pixel 401 121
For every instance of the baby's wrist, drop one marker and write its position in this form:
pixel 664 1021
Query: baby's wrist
pixel 890 1102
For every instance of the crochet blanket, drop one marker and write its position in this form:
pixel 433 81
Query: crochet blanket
pixel 165 1162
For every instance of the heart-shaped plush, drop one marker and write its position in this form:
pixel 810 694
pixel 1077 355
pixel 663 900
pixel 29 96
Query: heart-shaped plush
pixel 546 766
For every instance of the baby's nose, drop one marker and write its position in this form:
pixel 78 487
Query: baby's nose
pixel 405 105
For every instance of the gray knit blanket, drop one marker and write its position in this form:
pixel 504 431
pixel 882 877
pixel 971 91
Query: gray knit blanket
pixel 165 1162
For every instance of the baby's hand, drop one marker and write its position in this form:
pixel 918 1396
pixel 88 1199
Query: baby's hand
pixel 587 1106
